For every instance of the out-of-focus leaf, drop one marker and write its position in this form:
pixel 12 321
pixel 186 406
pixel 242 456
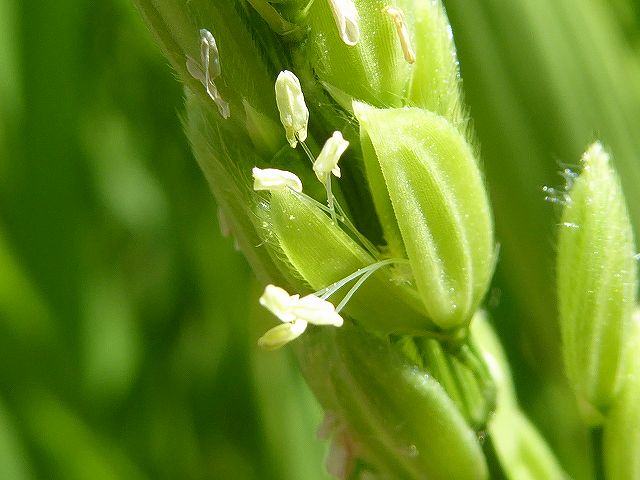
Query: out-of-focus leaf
pixel 14 462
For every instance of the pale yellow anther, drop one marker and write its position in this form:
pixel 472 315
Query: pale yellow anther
pixel 282 334
pixel 295 313
pixel 347 20
pixel 279 302
pixel 397 15
pixel 317 311
pixel 327 161
pixel 294 114
pixel 272 179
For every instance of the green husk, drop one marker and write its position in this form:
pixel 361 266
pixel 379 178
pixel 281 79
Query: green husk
pixel 597 281
pixel 434 188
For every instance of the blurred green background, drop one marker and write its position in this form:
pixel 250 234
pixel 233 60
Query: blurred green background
pixel 125 350
pixel 123 332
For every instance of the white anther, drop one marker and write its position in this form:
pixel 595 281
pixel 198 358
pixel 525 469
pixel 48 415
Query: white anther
pixel 397 15
pixel 317 311
pixel 279 302
pixel 272 179
pixel 195 70
pixel 289 308
pixel 209 54
pixel 327 161
pixel 295 313
pixel 346 17
pixel 294 114
pixel 282 334
pixel 208 70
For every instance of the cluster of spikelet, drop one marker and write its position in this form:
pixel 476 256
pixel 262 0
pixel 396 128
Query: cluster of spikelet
pixel 390 242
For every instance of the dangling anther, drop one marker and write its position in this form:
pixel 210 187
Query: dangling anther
pixel 327 164
pixel 208 70
pixel 397 15
pixel 347 21
pixel 294 114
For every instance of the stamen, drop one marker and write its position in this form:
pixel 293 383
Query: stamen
pixel 366 243
pixel 370 271
pixel 346 17
pixel 282 334
pixel 295 313
pixel 334 287
pixel 272 179
pixel 307 151
pixel 397 15
pixel 209 55
pixel 279 302
pixel 327 163
pixel 208 70
pixel 290 308
pixel 354 289
pixel 330 199
pixel 317 311
pixel 342 217
pixel 294 114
